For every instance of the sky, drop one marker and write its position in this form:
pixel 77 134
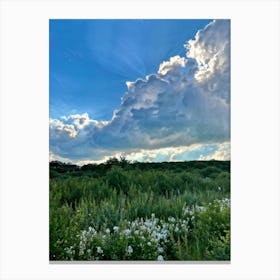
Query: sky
pixel 150 90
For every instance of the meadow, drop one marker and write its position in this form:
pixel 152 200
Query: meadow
pixel 120 210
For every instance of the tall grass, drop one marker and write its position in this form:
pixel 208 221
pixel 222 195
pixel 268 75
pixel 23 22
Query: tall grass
pixel 127 213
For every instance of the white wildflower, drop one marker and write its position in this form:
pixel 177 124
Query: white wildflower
pixel 99 250
pixel 160 250
pixel 92 231
pixel 142 227
pixel 171 219
pixel 134 224
pixel 129 249
pixel 148 224
pixel 115 228
pixel 160 258
pixel 200 208
pixel 107 230
pixel 153 239
pixel 70 250
pixel 159 235
pixel 126 232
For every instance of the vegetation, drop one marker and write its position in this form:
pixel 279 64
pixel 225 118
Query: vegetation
pixel 140 211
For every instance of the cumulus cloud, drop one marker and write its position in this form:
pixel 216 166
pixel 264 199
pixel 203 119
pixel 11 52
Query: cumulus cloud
pixel 211 50
pixel 61 131
pixel 172 66
pixel 79 121
pixel 185 103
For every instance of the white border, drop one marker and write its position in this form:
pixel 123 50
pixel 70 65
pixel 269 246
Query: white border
pixel 254 138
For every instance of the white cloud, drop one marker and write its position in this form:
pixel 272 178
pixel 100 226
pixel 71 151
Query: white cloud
pixel 79 121
pixel 173 65
pixel 62 131
pixel 185 103
pixel 211 50
pixel 222 153
pixel 53 157
pixel 217 151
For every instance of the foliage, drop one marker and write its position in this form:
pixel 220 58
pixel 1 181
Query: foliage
pixel 140 211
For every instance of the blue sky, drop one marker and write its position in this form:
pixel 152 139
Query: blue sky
pixel 91 60
pixel 113 89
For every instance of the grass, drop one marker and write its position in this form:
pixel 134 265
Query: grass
pixel 140 211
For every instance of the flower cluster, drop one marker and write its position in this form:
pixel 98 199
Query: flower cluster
pixel 142 238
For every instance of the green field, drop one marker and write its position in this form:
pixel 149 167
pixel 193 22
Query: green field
pixel 140 211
